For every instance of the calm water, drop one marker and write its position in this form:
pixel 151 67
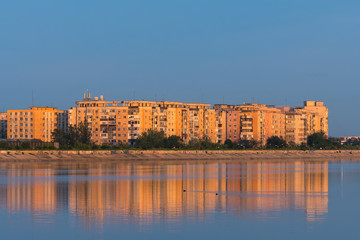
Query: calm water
pixel 145 200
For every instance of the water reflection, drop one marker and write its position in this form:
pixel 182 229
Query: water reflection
pixel 147 192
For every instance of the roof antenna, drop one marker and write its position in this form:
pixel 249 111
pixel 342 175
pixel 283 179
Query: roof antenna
pixel 32 97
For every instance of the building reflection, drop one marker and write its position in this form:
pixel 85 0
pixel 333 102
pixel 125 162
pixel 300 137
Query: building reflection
pixel 147 192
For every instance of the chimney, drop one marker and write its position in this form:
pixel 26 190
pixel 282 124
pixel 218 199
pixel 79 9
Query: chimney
pixel 101 97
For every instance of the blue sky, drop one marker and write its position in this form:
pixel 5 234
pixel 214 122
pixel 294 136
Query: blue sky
pixel 273 52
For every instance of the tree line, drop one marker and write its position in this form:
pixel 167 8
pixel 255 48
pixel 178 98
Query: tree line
pixel 79 138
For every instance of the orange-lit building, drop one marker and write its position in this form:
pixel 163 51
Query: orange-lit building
pixel 304 121
pixel 35 123
pixel 316 117
pixel 3 125
pixel 112 122
pixel 233 125
pixel 220 126
pixel 259 121
pixel 253 121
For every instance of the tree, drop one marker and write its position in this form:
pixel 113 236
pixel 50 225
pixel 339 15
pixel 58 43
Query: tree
pixel 275 142
pixel 353 142
pixel 205 143
pixel 303 146
pixel 25 145
pixel 58 135
pixel 318 140
pixel 334 142
pixel 151 139
pixel 173 142
pixel 84 134
pixel 229 144
pixel 248 144
pixel 78 135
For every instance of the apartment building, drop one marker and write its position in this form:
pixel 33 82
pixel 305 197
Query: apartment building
pixel 233 125
pixel 295 126
pixel 253 121
pixel 112 122
pixel 220 126
pixel 35 123
pixel 108 121
pixel 246 126
pixel 316 116
pixel 267 121
pixel 259 122
pixel 3 125
pixel 304 121
pixel 62 120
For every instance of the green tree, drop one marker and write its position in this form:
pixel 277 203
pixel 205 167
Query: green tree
pixel 205 143
pixel 25 145
pixel 229 144
pixel 58 135
pixel 353 142
pixel 173 142
pixel 275 142
pixel 319 141
pixel 76 136
pixel 4 145
pixel 84 134
pixel 248 144
pixel 151 139
pixel 303 146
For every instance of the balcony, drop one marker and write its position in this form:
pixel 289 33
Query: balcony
pixel 108 123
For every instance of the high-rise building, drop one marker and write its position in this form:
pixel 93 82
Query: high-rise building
pixel 295 127
pixel 253 121
pixel 304 121
pixel 3 125
pixel 35 123
pixel 220 126
pixel 259 122
pixel 316 116
pixel 112 122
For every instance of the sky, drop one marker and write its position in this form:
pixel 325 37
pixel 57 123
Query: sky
pixel 278 52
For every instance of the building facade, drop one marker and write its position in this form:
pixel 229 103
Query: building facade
pixel 259 122
pixel 114 122
pixel 303 121
pixel 253 122
pixel 35 123
pixel 3 125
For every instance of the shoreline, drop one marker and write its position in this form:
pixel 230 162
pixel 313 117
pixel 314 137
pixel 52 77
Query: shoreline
pixel 174 155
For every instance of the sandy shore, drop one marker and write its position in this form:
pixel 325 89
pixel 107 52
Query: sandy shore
pixel 133 155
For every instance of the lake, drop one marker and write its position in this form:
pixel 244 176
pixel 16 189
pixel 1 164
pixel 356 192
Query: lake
pixel 180 200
